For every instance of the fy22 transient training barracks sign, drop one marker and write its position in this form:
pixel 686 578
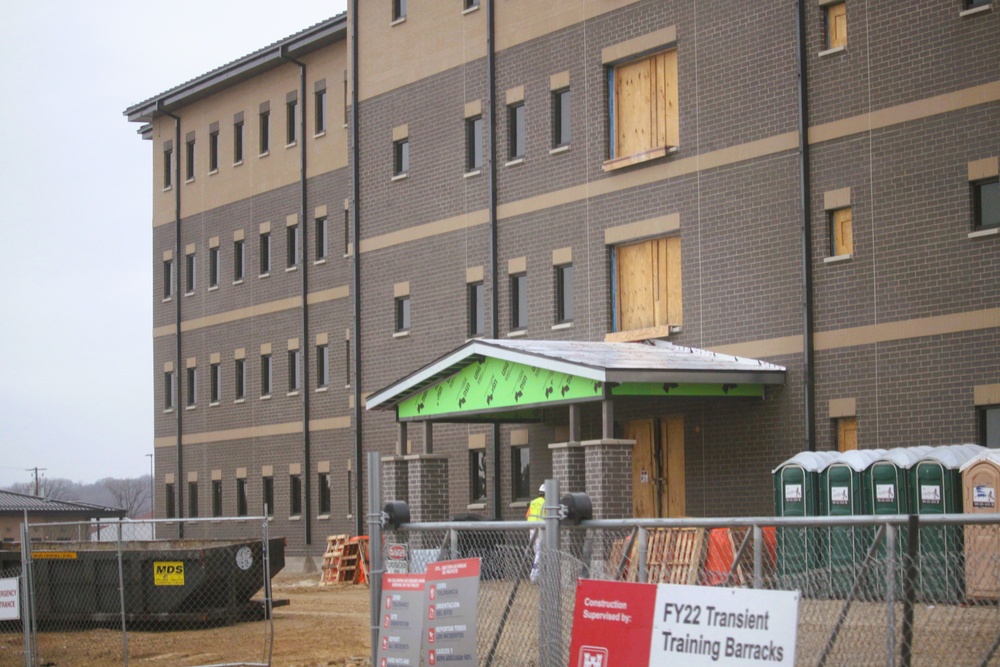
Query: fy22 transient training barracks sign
pixel 619 624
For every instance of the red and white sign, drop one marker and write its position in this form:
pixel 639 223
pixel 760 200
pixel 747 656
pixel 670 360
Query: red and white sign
pixel 618 624
pixel 10 607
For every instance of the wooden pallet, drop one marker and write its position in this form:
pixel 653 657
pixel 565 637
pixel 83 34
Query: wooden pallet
pixel 673 555
pixel 331 559
pixel 353 568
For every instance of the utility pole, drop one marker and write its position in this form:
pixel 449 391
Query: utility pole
pixel 35 470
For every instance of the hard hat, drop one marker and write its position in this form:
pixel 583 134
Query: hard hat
pixel 541 489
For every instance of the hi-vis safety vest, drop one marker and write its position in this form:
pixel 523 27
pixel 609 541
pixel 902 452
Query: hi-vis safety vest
pixel 535 509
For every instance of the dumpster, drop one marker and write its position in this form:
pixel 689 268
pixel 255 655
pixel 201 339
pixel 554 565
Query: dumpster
pixel 841 494
pixel 980 485
pixel 799 550
pixel 936 488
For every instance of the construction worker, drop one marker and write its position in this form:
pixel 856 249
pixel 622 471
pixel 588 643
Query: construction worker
pixel 535 514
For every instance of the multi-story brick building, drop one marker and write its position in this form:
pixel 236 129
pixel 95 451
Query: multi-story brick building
pixel 808 184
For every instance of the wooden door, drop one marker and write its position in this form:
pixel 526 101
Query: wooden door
pixel 673 501
pixel 658 488
pixel 645 494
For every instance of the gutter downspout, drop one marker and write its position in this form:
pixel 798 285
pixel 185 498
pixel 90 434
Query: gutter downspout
pixel 304 345
pixel 178 386
pixel 808 359
pixel 359 525
pixel 494 269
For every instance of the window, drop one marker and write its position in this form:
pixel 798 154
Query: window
pixel 268 493
pixel 519 301
pixel 240 379
pixel 189 161
pixel 320 102
pixel 847 434
pixel 841 232
pixel 349 488
pixel 215 382
pixel 241 497
pixel 972 4
pixel 213 267
pixel 213 151
pixel 520 473
pixel 648 284
pixel 265 253
pixel 265 375
pixel 171 511
pixel 347 232
pixel 564 293
pixel 265 132
pixel 989 426
pixel 644 121
pixel 189 273
pixel 321 234
pixel 400 157
pixel 471 4
pixel 477 475
pixel 836 25
pixel 238 260
pixel 168 390
pixel 295 495
pixel 192 387
pixel 561 128
pixel 347 364
pixel 477 310
pixel 168 278
pixel 168 168
pixel 398 10
pixel 193 499
pixel 473 143
pixel 515 118
pixel 986 195
pixel 403 313
pixel 292 246
pixel 216 497
pixel 290 133
pixel 322 365
pixel 294 371
pixel 324 492
pixel 238 141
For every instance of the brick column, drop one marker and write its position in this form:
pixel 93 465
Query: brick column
pixel 395 479
pixel 428 494
pixel 569 466
pixel 609 477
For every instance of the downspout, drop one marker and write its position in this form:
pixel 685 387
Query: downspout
pixel 809 398
pixel 304 345
pixel 494 270
pixel 359 525
pixel 179 391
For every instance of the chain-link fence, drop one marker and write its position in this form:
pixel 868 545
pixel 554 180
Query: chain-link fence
pixel 874 590
pixel 104 591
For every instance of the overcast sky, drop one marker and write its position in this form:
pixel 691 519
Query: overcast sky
pixel 76 381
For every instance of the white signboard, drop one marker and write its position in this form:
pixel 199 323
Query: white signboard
pixel 983 496
pixel 10 608
pixel 793 493
pixel 930 494
pixel 840 495
pixel 701 625
pixel 885 493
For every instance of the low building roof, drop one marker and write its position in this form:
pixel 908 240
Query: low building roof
pixel 17 503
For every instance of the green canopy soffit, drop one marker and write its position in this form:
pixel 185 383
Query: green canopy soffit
pixel 490 385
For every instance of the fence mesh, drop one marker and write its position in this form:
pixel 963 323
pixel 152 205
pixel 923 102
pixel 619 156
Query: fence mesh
pixel 118 592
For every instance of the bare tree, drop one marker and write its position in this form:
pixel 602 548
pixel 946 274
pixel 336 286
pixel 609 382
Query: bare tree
pixel 130 494
pixel 54 489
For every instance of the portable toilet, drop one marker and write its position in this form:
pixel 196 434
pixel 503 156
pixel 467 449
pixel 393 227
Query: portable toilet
pixel 842 494
pixel 981 484
pixel 886 492
pixel 796 493
pixel 936 488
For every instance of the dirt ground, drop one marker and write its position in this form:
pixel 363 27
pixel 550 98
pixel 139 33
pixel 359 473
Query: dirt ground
pixel 319 627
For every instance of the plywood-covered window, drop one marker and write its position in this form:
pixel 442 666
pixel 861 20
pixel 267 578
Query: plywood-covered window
pixel 842 232
pixel 644 120
pixel 836 25
pixel 648 284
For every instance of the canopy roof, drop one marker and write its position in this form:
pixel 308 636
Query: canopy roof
pixel 494 380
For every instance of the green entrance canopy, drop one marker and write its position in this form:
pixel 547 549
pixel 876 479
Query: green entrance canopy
pixel 505 380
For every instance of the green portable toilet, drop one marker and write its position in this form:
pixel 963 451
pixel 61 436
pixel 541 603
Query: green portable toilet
pixel 842 494
pixel 799 551
pixel 936 488
pixel 886 493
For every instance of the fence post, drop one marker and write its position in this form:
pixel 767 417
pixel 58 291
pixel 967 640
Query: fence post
pixel 27 608
pixel 890 591
pixel 121 596
pixel 758 556
pixel 910 589
pixel 551 607
pixel 643 543
pixel 374 547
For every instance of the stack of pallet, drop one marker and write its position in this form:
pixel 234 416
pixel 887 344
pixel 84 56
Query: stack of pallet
pixel 331 559
pixel 673 556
